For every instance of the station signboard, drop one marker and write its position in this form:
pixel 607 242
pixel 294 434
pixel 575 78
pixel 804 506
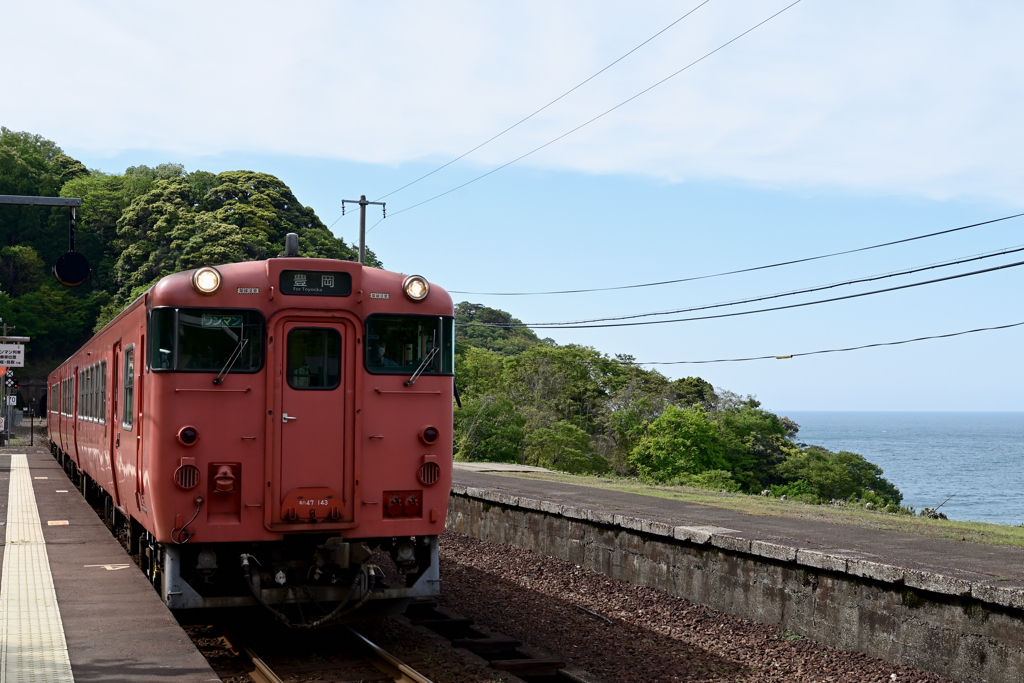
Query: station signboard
pixel 12 355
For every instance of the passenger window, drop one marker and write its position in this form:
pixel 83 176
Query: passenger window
pixel 129 387
pixel 314 358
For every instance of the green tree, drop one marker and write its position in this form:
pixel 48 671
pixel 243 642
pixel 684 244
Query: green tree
pixel 507 337
pixel 564 447
pixel 489 429
pixel 21 269
pixel 756 443
pixel 681 441
pixel 841 475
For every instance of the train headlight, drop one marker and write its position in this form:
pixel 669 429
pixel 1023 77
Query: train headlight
pixel 206 281
pixel 187 436
pixel 416 287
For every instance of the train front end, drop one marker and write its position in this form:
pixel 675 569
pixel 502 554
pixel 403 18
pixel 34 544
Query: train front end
pixel 298 440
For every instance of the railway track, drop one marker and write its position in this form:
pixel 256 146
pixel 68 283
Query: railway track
pixel 389 666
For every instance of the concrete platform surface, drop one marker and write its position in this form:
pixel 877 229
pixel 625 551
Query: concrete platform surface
pixel 496 467
pixel 115 625
pixel 1001 567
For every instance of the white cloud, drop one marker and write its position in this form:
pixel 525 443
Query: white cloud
pixel 915 97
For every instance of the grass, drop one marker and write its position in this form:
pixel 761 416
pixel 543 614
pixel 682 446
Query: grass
pixel 976 532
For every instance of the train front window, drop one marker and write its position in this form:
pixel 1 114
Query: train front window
pixel 399 344
pixel 205 339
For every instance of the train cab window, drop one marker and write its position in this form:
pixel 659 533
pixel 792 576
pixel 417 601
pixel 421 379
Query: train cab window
pixel 400 344
pixel 205 340
pixel 129 387
pixel 314 358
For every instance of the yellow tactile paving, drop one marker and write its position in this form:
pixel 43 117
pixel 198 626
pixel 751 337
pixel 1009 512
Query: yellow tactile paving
pixel 33 647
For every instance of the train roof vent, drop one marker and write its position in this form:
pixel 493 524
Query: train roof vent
pixel 429 473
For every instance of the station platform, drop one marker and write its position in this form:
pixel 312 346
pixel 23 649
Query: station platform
pixel 73 605
pixel 957 564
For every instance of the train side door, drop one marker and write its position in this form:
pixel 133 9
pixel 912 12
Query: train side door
pixel 76 393
pixel 316 471
pixel 138 392
pixel 127 427
pixel 114 419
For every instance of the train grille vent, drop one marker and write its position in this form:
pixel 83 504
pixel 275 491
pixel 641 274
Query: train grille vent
pixel 186 476
pixel 430 472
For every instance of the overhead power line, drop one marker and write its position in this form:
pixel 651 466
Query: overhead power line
pixel 599 116
pixel 787 356
pixel 842 350
pixel 807 290
pixel 530 116
pixel 757 310
pixel 742 270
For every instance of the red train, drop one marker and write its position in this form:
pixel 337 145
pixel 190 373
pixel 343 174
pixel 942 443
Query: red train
pixel 259 431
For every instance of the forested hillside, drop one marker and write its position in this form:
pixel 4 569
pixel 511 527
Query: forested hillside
pixel 524 399
pixel 134 227
pixel 572 408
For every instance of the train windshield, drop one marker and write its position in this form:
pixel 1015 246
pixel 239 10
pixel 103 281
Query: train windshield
pixel 205 339
pixel 400 344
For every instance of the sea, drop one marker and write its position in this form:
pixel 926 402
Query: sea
pixel 975 460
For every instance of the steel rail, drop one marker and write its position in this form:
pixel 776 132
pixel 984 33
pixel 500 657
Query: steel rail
pixel 387 663
pixel 262 673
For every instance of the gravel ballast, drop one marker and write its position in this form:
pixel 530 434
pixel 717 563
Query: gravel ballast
pixel 560 608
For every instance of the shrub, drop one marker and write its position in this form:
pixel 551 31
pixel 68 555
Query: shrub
pixel 712 480
pixel 838 475
pixel 564 447
pixel 679 442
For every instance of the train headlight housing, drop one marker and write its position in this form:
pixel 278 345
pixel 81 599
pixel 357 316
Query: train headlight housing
pixel 416 287
pixel 206 281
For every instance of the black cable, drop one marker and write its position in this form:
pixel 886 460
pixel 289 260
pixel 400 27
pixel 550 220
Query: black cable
pixel 842 350
pixel 760 310
pixel 743 270
pixel 771 357
pixel 599 116
pixel 808 290
pixel 176 533
pixel 527 118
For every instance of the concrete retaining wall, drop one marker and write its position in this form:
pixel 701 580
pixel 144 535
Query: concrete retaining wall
pixel 954 627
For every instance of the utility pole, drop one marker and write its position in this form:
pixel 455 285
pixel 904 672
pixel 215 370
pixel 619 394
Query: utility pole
pixel 362 222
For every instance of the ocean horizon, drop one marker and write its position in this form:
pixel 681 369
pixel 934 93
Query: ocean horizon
pixel 975 457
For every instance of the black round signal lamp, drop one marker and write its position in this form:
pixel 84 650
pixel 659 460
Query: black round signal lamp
pixel 188 436
pixel 429 434
pixel 71 269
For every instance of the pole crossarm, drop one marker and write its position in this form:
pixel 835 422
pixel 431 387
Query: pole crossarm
pixel 362 221
pixel 39 201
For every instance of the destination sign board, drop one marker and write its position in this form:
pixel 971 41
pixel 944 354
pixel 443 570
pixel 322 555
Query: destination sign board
pixel 315 283
pixel 221 320
pixel 12 355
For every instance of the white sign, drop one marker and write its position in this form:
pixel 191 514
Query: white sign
pixel 12 355
pixel 12 400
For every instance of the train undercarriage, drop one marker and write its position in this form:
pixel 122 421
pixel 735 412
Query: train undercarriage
pixel 306 580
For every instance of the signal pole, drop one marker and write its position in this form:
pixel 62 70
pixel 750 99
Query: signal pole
pixel 362 222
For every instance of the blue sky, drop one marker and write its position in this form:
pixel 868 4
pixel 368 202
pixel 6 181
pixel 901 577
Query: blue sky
pixel 828 128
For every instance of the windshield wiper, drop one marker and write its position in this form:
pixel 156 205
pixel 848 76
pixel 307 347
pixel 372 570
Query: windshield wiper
pixel 231 360
pixel 423 366
pixel 425 363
